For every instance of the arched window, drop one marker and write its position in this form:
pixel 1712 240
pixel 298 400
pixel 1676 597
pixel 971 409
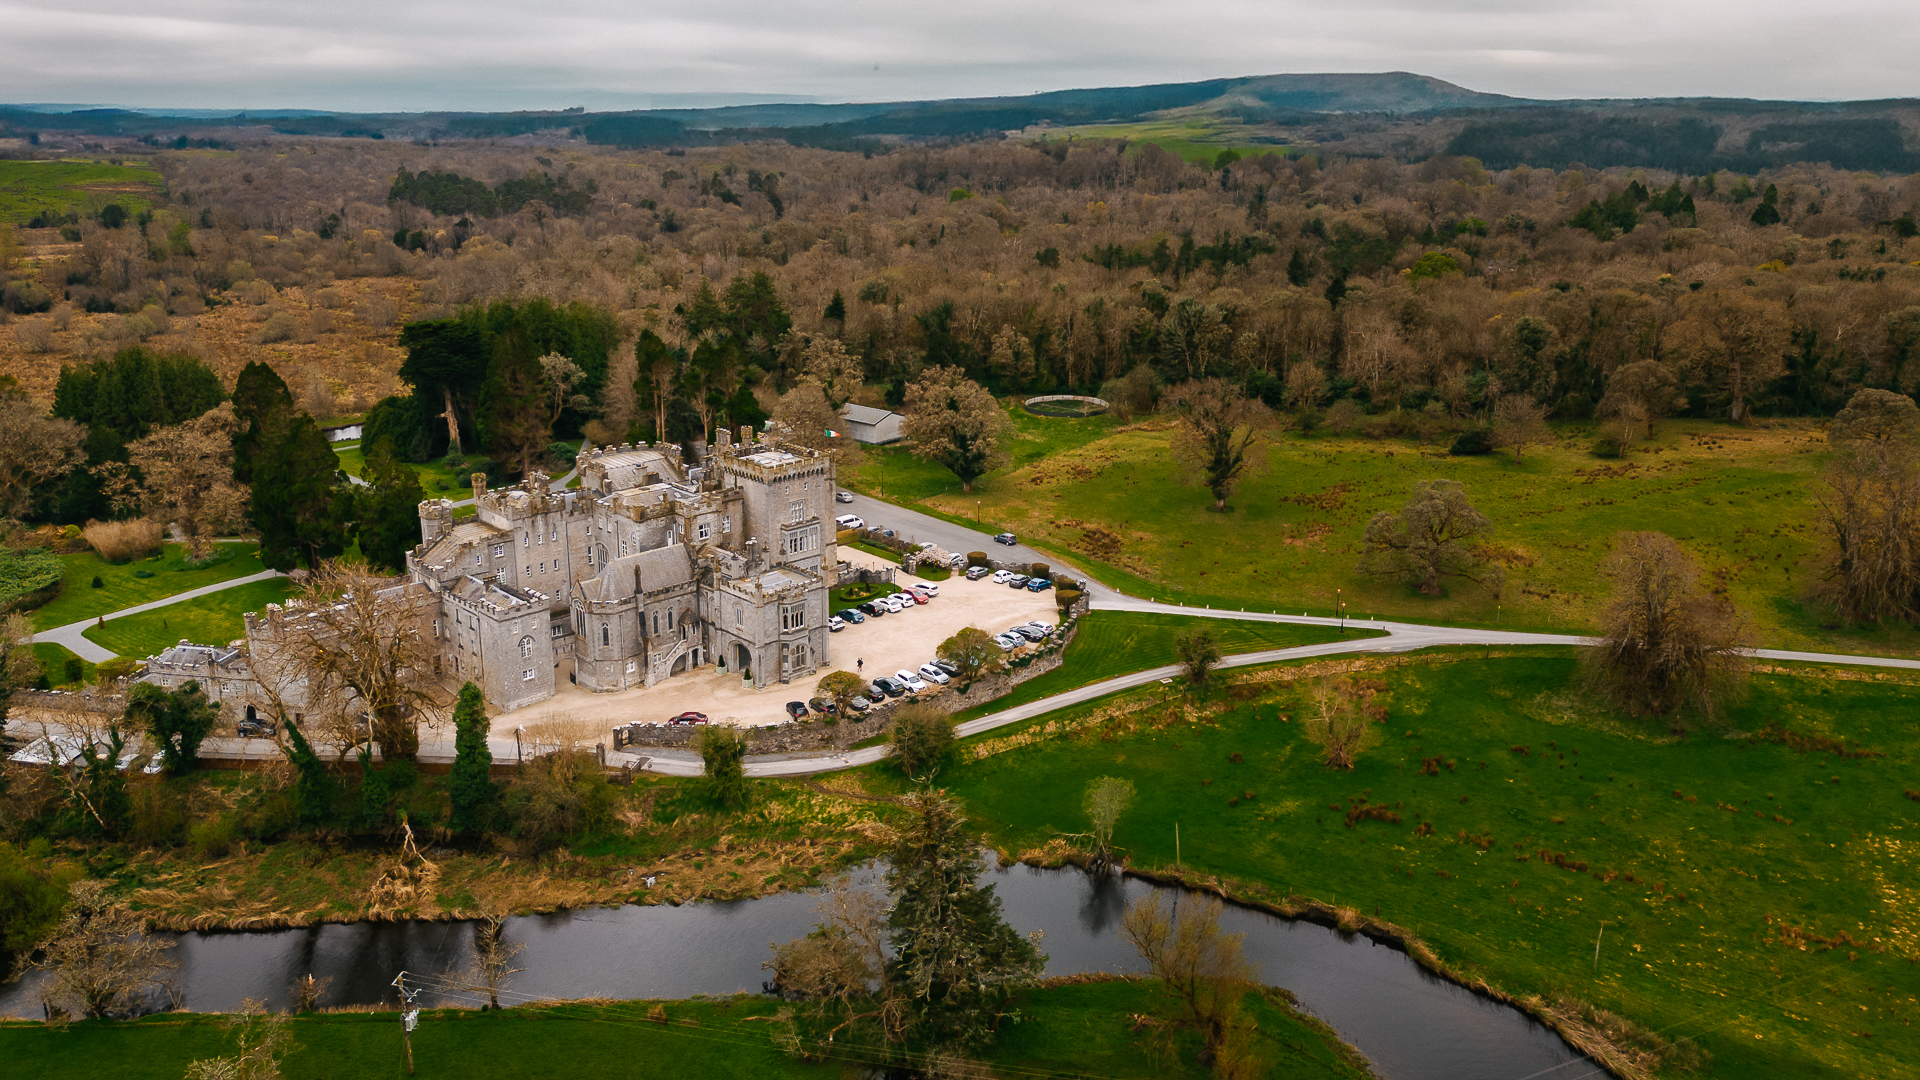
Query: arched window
pixel 526 648
pixel 606 635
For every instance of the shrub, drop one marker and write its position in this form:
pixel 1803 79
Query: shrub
pixel 74 670
pixel 97 583
pixel 143 573
pixel 1576 407
pixel 123 541
pixel 1606 447
pixel 35 335
pixel 1473 441
pixel 976 558
pixel 922 739
pixel 1065 597
pixel 211 839
pixel 1040 570
pixel 28 577
pixel 278 327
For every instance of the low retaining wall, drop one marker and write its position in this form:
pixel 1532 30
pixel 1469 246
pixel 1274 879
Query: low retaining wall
pixel 799 738
pixel 112 704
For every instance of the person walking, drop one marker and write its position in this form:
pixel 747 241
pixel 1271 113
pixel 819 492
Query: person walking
pixel 860 664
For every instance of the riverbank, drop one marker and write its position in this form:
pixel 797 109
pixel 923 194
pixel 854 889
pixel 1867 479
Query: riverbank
pixel 1746 888
pixel 1101 1026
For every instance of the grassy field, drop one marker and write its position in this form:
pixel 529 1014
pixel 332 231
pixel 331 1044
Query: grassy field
pixel 120 588
pixel 1759 896
pixel 433 474
pixel 28 188
pixel 1198 139
pixel 893 472
pixel 1069 1030
pixel 1112 643
pixel 1741 501
pixel 214 619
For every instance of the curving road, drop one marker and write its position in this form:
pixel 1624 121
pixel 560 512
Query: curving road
pixel 1395 637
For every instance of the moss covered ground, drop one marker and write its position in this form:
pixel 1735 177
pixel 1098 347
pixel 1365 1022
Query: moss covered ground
pixel 1757 879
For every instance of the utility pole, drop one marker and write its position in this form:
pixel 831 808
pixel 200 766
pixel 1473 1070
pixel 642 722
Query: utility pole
pixel 409 1016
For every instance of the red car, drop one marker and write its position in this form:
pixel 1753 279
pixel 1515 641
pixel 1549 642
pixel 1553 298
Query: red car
pixel 918 598
pixel 688 718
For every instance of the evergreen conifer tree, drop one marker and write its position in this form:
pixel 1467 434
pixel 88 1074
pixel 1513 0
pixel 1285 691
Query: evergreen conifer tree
pixel 298 506
pixel 263 407
pixel 471 785
pixel 389 509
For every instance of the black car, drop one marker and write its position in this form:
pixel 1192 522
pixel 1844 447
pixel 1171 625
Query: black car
pixel 822 705
pixel 796 709
pixel 860 704
pixel 255 729
pixel 887 687
pixel 873 609
pixel 1017 581
pixel 1005 538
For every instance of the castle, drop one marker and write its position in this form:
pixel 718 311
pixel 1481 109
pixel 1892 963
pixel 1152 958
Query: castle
pixel 648 569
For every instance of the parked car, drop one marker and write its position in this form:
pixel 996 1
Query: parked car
pixel 255 729
pixel 884 687
pixel 893 602
pixel 1000 576
pixel 873 608
pixel 1017 581
pixel 822 705
pixel 1005 538
pixel 835 624
pixel 796 709
pixel 975 573
pixel 1038 584
pixel 888 533
pixel 1008 642
pixel 688 718
pixel 859 704
pixel 919 598
pixel 914 682
pixel 1029 633
pixel 933 674
pixel 925 588
pixel 843 496
pixel 850 521
pixel 852 615
pixel 1043 627
pixel 948 666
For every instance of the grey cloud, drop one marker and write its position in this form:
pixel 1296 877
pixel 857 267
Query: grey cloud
pixel 485 54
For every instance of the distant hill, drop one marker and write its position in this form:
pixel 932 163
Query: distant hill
pixel 1396 113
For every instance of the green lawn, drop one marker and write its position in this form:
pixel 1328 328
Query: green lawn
pixel 1198 139
pixel 1111 643
pixel 120 589
pixel 53 659
pixel 1757 898
pixel 433 474
pixel 895 473
pixel 850 595
pixel 1743 502
pixel 1083 1030
pixel 214 619
pixel 29 187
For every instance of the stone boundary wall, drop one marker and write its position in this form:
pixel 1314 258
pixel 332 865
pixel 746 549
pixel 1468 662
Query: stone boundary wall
pixel 797 738
pixel 110 704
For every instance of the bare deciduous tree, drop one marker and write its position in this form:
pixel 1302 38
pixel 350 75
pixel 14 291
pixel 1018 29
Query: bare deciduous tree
pixel 1638 395
pixel 837 371
pixel 1872 509
pixel 1218 434
pixel 1430 540
pixel 1520 422
pixel 187 477
pixel 34 448
pixel 1198 650
pixel 804 417
pixel 264 1039
pixel 100 960
pixel 361 639
pixel 1107 798
pixel 1338 722
pixel 561 375
pixel 1663 645
pixel 1200 964
pixel 493 955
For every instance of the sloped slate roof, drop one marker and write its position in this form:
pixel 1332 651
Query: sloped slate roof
pixel 863 414
pixel 622 578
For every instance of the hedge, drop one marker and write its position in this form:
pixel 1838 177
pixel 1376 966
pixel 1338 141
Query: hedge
pixel 29 578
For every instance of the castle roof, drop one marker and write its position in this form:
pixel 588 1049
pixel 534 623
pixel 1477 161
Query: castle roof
pixel 647 571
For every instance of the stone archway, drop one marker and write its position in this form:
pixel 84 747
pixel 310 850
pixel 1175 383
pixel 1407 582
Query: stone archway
pixel 742 659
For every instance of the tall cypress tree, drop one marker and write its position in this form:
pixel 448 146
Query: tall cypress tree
pixel 470 787
pixel 513 409
pixel 389 509
pixel 298 504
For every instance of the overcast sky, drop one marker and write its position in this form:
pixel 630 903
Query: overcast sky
pixel 610 54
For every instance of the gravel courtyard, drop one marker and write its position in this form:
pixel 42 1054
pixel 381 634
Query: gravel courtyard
pixel 887 644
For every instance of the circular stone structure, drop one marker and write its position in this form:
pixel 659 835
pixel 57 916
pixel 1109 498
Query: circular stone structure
pixel 1073 406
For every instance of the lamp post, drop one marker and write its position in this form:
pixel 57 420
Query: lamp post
pixel 519 760
pixel 1342 605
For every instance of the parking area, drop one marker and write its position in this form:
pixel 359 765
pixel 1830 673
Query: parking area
pixel 886 644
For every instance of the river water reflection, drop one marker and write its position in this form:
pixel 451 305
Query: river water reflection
pixel 1411 1025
